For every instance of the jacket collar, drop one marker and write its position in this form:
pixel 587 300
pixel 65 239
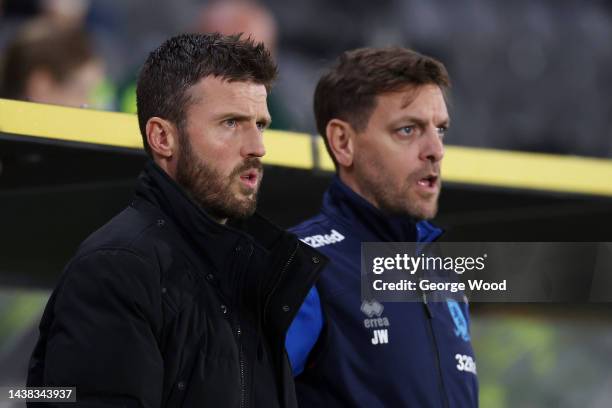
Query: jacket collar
pixel 340 201
pixel 217 243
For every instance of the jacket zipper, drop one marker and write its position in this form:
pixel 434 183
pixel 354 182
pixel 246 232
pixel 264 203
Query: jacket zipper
pixel 278 279
pixel 241 359
pixel 243 401
pixel 434 343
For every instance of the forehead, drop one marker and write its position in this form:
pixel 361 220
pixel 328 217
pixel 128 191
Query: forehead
pixel 216 93
pixel 423 101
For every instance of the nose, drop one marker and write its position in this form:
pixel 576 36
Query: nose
pixel 432 148
pixel 253 145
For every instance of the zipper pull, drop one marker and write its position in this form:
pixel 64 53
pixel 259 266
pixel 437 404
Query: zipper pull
pixel 427 307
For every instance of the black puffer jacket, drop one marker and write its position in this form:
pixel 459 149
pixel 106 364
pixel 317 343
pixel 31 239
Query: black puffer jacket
pixel 164 307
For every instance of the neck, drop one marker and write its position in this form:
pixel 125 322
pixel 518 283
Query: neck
pixel 350 181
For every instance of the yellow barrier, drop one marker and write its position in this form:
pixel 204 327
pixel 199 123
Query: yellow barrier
pixel 489 167
pixel 528 170
pixel 69 124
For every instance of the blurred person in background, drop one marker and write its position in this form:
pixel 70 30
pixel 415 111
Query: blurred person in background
pixel 51 62
pixel 184 298
pixel 239 16
pixel 232 17
pixel 65 11
pixel 73 11
pixel 383 115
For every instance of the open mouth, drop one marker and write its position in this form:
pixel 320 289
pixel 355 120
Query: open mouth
pixel 250 178
pixel 429 182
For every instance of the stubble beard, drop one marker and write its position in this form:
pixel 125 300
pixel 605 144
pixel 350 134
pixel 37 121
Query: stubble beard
pixel 211 190
pixel 398 200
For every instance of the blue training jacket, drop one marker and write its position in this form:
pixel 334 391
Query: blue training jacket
pixel 349 353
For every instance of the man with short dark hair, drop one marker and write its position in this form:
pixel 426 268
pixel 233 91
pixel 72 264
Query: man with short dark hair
pixel 184 298
pixel 383 115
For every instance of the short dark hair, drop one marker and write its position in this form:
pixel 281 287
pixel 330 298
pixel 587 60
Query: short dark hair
pixel 185 59
pixel 43 44
pixel 348 90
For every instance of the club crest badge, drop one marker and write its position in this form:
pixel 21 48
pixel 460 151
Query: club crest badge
pixel 461 324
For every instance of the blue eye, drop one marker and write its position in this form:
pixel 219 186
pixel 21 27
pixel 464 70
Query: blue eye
pixel 442 131
pixel 231 123
pixel 406 130
pixel 261 126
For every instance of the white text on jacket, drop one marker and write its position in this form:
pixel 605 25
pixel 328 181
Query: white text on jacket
pixel 320 240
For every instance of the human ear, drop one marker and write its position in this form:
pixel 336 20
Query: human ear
pixel 340 138
pixel 162 137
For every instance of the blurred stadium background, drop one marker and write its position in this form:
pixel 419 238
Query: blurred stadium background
pixel 529 155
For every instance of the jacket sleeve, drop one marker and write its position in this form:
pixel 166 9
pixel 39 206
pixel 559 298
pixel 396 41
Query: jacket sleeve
pixel 304 331
pixel 103 322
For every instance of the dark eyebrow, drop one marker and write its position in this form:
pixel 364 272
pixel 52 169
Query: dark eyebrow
pixel 417 121
pixel 266 120
pixel 445 123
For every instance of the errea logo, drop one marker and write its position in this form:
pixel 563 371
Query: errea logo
pixel 374 311
pixel 372 308
pixel 320 240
